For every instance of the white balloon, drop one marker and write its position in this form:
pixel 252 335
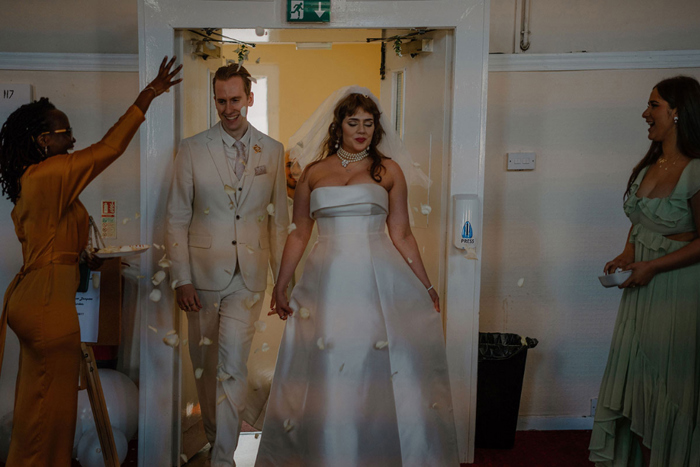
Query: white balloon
pixel 122 401
pixel 5 435
pixel 90 451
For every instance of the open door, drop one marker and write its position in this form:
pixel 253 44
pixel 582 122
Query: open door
pixel 416 91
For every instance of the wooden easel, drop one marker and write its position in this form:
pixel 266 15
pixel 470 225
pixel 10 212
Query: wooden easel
pixel 89 376
pixel 90 379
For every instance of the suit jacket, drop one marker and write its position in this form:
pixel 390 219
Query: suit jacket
pixel 210 230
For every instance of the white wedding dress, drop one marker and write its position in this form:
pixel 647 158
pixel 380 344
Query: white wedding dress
pixel 337 400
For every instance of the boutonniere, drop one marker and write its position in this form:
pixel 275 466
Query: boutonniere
pixel 257 148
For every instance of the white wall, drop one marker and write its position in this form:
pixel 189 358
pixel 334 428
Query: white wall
pixel 556 226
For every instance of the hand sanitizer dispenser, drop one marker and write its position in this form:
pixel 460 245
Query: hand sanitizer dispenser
pixel 465 216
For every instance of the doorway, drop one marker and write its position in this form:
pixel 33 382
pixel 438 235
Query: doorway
pixel 459 155
pixel 294 71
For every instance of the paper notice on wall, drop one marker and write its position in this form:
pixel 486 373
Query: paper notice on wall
pixel 88 306
pixel 109 219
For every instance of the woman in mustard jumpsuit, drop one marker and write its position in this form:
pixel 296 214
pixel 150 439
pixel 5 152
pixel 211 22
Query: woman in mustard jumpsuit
pixel 43 181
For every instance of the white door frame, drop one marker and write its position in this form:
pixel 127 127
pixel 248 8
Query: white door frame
pixel 469 19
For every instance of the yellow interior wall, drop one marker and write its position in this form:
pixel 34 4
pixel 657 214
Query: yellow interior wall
pixel 307 77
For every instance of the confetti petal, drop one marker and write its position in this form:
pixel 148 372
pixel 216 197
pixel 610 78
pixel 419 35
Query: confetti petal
pixel 252 300
pixel 184 458
pixel 205 341
pixel 216 305
pixel 95 280
pixel 265 347
pixel 380 345
pixel 156 246
pixel 261 218
pixel 434 406
pixel 173 285
pixel 171 332
pixel 137 215
pixel 260 326
pixel 175 244
pixel 198 373
pixel 184 341
pixel 125 220
pixel 320 343
pixel 271 209
pixel 291 228
pixel 206 211
pixel 171 340
pixel 521 281
pixel 288 425
pixel 410 261
pixel 415 208
pixel 304 313
pixel 250 249
pixel 229 190
pixel 155 295
pixel 164 262
pixel 152 328
pixel 416 164
pixel 221 399
pixel 158 277
pixel 222 376
pixel 425 209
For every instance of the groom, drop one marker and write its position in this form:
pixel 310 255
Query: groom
pixel 226 221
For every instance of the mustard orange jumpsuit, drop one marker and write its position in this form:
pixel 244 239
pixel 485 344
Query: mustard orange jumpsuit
pixel 39 305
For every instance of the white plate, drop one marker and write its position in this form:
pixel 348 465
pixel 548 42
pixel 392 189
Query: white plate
pixel 133 250
pixel 614 279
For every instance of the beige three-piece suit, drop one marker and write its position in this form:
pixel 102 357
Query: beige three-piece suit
pixel 221 235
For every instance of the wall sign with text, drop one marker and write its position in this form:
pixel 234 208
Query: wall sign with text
pixel 12 96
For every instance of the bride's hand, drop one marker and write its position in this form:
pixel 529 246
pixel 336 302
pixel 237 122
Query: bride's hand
pixel 279 303
pixel 436 300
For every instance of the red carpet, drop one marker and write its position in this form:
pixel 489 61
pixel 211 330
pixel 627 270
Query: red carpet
pixel 539 449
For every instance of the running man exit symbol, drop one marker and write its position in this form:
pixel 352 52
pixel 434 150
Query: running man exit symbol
pixel 309 11
pixel 297 10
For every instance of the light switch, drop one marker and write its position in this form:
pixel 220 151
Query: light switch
pixel 521 161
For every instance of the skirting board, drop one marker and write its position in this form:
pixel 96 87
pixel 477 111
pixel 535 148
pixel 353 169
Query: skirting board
pixel 554 423
pixel 497 62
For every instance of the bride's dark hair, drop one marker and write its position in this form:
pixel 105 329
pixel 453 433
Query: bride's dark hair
pixel 347 108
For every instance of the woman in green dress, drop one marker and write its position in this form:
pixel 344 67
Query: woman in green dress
pixel 649 404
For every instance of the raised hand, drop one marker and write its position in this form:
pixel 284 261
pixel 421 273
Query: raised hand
pixel 162 83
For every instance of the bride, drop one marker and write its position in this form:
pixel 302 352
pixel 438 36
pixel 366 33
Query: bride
pixel 361 376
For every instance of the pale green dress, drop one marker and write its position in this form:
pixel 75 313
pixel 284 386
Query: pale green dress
pixel 651 385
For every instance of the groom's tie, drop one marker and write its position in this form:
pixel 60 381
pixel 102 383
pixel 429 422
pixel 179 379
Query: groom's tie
pixel 240 159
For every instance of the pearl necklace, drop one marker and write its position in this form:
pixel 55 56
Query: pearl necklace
pixel 347 157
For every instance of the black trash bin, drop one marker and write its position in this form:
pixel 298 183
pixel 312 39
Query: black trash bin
pixel 500 381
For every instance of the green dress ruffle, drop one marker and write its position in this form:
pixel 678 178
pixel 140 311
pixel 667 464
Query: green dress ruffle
pixel 651 384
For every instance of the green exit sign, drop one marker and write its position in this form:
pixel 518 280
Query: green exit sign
pixel 308 11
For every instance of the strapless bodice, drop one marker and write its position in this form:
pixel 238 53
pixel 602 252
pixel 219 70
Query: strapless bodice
pixel 350 209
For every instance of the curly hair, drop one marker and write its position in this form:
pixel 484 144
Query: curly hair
pixel 347 108
pixel 683 94
pixel 18 146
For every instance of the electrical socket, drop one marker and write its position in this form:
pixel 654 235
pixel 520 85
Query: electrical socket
pixel 594 405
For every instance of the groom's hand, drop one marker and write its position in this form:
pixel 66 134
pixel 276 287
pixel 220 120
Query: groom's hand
pixel 187 298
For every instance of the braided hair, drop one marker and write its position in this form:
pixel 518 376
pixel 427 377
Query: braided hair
pixel 18 146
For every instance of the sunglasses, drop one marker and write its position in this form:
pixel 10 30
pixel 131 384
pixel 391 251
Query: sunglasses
pixel 68 131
